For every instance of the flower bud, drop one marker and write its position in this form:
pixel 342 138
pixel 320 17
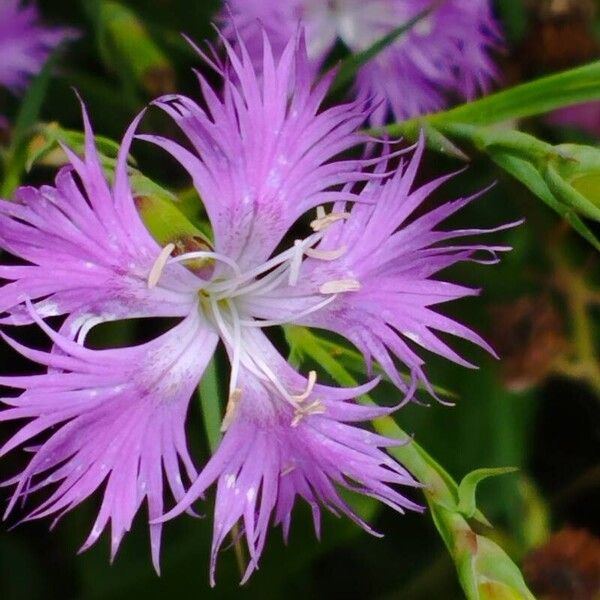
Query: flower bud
pixel 573 175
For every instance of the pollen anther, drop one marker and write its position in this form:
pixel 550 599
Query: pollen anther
pixel 315 408
pixel 326 254
pixel 323 220
pixel 340 285
pixel 231 409
pixel 159 265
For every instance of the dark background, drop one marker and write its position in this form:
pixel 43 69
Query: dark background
pixel 550 429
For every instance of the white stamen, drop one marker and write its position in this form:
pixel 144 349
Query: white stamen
pixel 312 380
pixel 287 470
pixel 159 264
pixel 85 328
pixel 294 317
pixel 230 411
pixel 206 254
pixel 296 263
pixel 323 221
pixel 237 348
pixel 234 285
pixel 316 408
pixel 340 285
pixel 326 254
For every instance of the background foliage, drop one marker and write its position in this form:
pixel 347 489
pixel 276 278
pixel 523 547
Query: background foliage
pixel 537 410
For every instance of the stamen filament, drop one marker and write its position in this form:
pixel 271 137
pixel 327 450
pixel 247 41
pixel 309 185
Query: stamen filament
pixel 312 380
pixel 326 254
pixel 284 256
pixel 86 327
pixel 294 317
pixel 237 347
pixel 296 263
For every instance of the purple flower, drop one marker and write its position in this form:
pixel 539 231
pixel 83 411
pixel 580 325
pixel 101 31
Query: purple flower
pixel 446 54
pixel 261 161
pixel 24 43
pixel 113 416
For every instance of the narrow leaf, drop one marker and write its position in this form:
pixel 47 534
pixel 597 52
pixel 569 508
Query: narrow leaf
pixel 527 174
pixel 536 97
pixel 28 115
pixel 210 403
pixel 468 487
pixel 352 64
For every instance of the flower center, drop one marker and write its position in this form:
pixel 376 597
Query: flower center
pixel 221 300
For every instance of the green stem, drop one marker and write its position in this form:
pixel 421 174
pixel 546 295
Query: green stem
pixel 485 571
pixel 526 100
pixel 583 336
pixel 211 411
pixel 208 392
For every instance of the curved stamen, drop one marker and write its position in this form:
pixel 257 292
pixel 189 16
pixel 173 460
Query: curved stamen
pixel 310 386
pixel 241 355
pixel 283 257
pixel 294 317
pixel 205 254
pixel 296 263
pixel 260 286
pixel 327 255
pixel 86 327
pixel 237 347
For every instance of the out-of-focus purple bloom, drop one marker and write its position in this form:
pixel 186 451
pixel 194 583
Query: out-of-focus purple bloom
pixel 447 53
pixel 260 160
pixel 24 43
pixel 113 416
pixel 585 117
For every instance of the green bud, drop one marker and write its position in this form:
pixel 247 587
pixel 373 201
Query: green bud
pixel 573 175
pixel 126 45
pixel 485 570
pixel 468 488
pixel 44 147
pixel 492 590
pixel 168 225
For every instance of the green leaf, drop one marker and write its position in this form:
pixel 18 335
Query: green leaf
pixel 468 488
pixel 513 15
pixel 348 358
pixel 44 146
pixel 527 174
pixel 352 64
pixel 526 100
pixel 485 571
pixel 26 118
pixel 125 45
pixel 570 196
pixel 209 393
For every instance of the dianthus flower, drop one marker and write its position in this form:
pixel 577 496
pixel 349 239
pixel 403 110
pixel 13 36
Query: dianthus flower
pixel 260 160
pixel 445 54
pixel 24 43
